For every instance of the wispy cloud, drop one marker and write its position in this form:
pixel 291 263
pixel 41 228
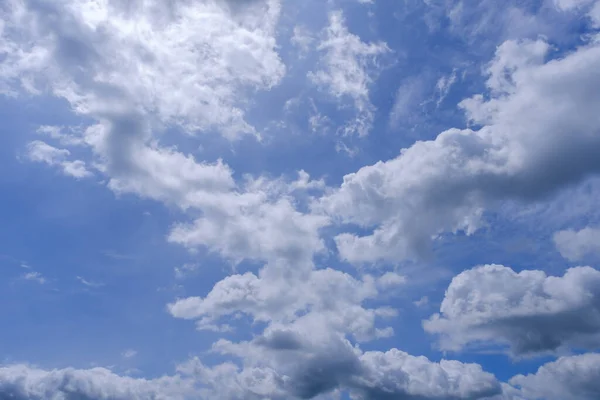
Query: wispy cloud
pixel 35 277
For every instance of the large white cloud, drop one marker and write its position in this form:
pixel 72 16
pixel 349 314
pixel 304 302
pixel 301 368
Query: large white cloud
pixel 574 377
pixel 317 364
pixel 260 221
pixel 538 131
pixel 137 69
pixel 529 311
pixel 184 62
pixel 324 301
pixel 21 382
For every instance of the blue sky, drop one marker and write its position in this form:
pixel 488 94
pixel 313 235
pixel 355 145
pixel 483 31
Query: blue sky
pixel 274 199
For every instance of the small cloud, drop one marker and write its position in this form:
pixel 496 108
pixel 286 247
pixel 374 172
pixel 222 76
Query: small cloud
pixel 41 152
pixel 132 372
pixel 443 86
pixel 302 39
pixel 422 302
pixel 577 245
pixel 185 270
pixel 205 325
pixel 89 283
pixel 341 147
pixel 129 353
pixel 35 276
pixel 67 136
pixel 390 280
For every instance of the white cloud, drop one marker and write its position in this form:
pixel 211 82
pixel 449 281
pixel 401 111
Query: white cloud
pixel 594 14
pixel 129 353
pixel 257 221
pixel 38 151
pixel 66 136
pixel 147 67
pixel 180 63
pixel 138 70
pixel 185 270
pixel 317 372
pixel 409 97
pixel 395 374
pixel 572 4
pixel 422 302
pixel 89 283
pixel 21 382
pixel 443 86
pixel 325 300
pixel 303 39
pixel 391 280
pixel 576 245
pixel 35 276
pixel 536 135
pixel 170 176
pixel 574 378
pixel 314 366
pixel 347 65
pixel 528 311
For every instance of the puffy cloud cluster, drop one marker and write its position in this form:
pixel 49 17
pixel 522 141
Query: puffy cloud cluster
pixel 135 70
pixel 574 377
pixel 21 382
pixel 278 365
pixel 528 311
pixel 315 365
pixel 180 62
pixel 535 133
pixel 324 300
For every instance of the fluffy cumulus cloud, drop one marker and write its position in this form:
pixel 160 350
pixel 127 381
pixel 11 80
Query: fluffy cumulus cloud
pixel 574 377
pixel 322 300
pixel 136 70
pixel 313 365
pixel 178 61
pixel 258 221
pixel 21 382
pixel 575 245
pixel 529 311
pixel 533 134
pixel 395 374
pixel 279 365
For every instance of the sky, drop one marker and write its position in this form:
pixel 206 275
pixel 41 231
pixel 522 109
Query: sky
pixel 282 199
